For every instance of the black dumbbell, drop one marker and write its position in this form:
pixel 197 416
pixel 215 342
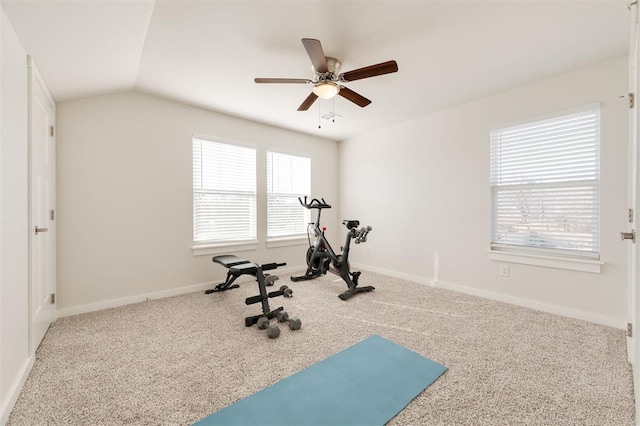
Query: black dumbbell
pixel 270 279
pixel 294 323
pixel 273 331
pixel 286 291
pixel 262 323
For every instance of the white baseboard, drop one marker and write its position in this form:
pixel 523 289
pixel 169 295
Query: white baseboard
pixel 526 303
pixel 114 303
pixel 413 278
pixel 539 306
pixel 6 406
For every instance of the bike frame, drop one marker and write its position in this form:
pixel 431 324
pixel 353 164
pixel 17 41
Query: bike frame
pixel 321 256
pixel 322 248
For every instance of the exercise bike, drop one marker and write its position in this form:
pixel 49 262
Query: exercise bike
pixel 322 259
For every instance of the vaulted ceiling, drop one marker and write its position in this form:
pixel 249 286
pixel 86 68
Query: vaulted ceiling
pixel 207 53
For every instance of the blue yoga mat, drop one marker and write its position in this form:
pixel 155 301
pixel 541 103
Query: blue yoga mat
pixel 365 384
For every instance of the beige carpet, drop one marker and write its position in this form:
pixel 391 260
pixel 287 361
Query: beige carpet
pixel 176 360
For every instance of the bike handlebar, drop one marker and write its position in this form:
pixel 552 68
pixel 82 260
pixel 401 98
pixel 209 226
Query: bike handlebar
pixel 314 204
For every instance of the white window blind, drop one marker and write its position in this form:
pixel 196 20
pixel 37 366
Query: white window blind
pixel 224 192
pixel 288 177
pixel 545 184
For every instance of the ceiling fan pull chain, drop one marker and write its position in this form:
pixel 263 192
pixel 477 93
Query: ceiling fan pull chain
pixel 319 126
pixel 333 109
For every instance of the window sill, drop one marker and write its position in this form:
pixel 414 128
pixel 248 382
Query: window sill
pixel 206 249
pixel 287 241
pixel 583 265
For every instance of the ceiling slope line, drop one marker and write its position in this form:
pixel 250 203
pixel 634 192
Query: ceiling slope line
pixel 144 45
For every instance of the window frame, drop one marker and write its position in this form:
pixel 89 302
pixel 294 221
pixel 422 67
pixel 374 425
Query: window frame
pixel 537 256
pixel 224 246
pixel 290 239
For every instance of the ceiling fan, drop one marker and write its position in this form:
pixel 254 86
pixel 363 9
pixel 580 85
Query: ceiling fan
pixel 328 77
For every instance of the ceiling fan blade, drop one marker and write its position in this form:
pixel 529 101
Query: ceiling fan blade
pixel 316 54
pixel 370 71
pixel 282 80
pixel 308 102
pixel 353 97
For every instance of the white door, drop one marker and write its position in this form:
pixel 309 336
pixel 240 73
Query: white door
pixel 633 346
pixel 633 119
pixel 42 278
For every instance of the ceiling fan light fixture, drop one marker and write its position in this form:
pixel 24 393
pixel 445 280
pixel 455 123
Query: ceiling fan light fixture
pixel 326 90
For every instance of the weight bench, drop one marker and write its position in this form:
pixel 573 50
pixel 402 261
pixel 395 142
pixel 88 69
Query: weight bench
pixel 237 267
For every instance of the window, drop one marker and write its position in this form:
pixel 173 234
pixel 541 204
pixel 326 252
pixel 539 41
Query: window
pixel 224 192
pixel 545 183
pixel 288 177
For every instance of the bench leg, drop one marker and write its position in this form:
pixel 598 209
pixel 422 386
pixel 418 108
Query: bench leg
pixel 225 285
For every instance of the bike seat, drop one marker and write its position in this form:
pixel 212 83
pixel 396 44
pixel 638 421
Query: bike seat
pixel 350 224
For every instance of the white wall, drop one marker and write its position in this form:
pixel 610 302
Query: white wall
pixel 15 361
pixel 424 187
pixel 125 197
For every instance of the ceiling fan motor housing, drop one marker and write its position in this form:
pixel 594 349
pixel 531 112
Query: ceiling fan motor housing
pixel 333 67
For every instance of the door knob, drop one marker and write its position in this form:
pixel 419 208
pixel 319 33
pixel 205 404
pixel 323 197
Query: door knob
pixel 628 235
pixel 41 230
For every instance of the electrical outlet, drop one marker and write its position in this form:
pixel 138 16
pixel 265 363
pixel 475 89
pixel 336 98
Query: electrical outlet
pixel 504 270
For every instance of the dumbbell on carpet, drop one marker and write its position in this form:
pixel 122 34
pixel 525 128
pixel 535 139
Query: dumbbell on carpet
pixel 263 323
pixel 294 323
pixel 273 331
